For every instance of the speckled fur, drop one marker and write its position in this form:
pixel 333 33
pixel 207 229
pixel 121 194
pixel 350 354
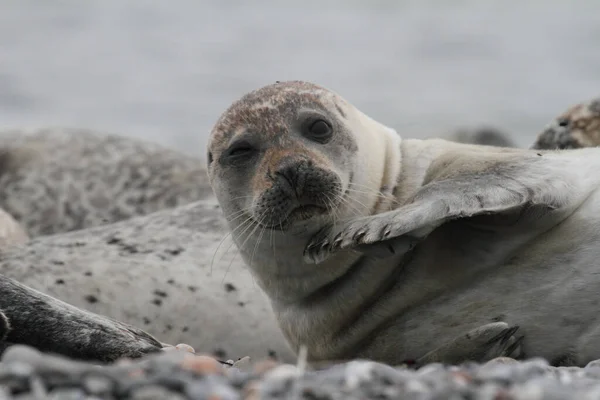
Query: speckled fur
pixel 502 235
pixel 59 180
pixel 577 127
pixel 161 273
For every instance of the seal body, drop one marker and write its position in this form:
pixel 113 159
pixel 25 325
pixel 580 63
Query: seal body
pixel 372 246
pixel 60 180
pixel 173 273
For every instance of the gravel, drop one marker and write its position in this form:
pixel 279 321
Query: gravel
pixel 26 373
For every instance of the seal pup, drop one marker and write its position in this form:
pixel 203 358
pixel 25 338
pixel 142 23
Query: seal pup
pixel 577 127
pixel 170 273
pixel 376 247
pixel 59 180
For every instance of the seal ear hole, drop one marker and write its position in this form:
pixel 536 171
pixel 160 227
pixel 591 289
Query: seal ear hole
pixel 210 157
pixel 319 130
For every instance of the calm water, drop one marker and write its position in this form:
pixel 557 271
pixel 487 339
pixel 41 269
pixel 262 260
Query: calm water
pixel 164 70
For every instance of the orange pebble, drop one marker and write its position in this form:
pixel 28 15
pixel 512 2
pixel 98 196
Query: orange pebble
pixel 201 365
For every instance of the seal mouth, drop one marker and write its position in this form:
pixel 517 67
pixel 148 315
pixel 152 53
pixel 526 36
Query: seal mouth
pixel 304 212
pixel 298 214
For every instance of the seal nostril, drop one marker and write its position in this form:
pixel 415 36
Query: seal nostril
pixel 290 174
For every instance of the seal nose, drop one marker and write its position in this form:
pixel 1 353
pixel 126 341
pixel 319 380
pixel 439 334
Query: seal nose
pixel 294 176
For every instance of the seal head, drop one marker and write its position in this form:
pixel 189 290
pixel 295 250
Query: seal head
pixel 286 156
pixel 576 128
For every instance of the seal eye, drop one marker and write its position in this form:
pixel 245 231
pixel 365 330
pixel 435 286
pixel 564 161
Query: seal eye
pixel 240 151
pixel 319 131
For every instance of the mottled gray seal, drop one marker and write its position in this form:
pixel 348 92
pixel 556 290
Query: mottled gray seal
pixel 376 247
pixel 161 273
pixel 577 127
pixel 59 180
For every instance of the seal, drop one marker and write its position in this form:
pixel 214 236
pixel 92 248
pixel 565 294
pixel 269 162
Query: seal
pixel 373 246
pixel 577 127
pixel 63 179
pixel 173 273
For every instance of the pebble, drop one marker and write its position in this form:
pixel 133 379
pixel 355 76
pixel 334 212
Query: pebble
pixel 25 373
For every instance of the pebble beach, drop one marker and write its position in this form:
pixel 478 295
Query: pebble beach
pixel 27 374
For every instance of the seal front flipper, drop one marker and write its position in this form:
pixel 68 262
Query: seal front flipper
pixel 481 344
pixel 476 189
pixel 51 325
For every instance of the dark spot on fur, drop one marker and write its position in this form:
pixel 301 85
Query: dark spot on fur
pixel 563 122
pixel 185 329
pixel 87 273
pixel 272 354
pixel 130 249
pixel 192 288
pixel 174 252
pixel 219 353
pixel 157 302
pixel 56 262
pixel 241 303
pixel 60 281
pixel 160 293
pixel 146 321
pixel 171 281
pixel 113 240
pixel 230 288
pixel 169 327
pixel 90 298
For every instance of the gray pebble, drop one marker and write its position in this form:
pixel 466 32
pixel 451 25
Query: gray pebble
pixel 67 394
pixel 154 392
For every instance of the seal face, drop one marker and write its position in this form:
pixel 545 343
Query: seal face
pixel 282 154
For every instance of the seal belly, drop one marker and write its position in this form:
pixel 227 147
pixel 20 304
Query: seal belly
pixel 550 288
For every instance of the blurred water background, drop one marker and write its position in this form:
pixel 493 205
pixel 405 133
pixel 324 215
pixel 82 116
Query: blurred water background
pixel 165 70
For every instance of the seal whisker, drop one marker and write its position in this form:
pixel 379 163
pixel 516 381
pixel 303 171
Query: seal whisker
pixel 236 215
pixel 239 213
pixel 248 224
pixel 354 208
